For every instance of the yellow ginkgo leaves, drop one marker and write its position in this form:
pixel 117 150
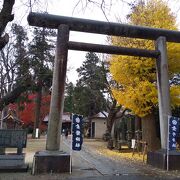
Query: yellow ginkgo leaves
pixel 136 75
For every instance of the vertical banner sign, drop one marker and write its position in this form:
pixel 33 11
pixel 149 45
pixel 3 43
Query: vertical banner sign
pixel 173 132
pixel 77 138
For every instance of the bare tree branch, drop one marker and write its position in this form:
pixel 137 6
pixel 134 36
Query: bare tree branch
pixel 14 94
pixel 103 5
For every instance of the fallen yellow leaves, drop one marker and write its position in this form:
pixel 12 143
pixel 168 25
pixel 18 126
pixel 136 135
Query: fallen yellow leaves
pixel 124 153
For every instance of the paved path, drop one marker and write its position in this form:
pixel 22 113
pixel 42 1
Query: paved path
pixel 89 165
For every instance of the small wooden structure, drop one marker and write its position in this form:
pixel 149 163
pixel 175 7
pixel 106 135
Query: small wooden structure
pixel 11 122
pixel 98 125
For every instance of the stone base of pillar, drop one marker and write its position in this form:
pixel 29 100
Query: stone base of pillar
pixel 159 159
pixel 51 162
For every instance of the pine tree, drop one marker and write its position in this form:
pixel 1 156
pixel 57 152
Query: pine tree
pixel 21 60
pixel 69 99
pixel 41 50
pixel 88 93
pixel 21 54
pixel 91 74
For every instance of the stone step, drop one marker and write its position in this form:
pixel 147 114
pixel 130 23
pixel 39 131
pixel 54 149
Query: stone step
pixel 13 163
pixel 19 168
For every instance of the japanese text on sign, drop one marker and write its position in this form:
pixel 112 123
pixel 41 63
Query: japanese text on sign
pixel 77 132
pixel 173 132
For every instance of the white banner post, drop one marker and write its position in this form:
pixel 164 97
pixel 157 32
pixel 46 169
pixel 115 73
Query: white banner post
pixel 168 146
pixel 70 169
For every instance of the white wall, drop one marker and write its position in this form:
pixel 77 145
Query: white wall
pixel 100 127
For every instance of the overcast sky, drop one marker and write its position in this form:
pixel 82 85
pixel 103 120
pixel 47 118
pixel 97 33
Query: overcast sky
pixel 69 8
pixel 65 8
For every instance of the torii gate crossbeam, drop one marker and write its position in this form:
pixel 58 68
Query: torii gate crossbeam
pixel 100 27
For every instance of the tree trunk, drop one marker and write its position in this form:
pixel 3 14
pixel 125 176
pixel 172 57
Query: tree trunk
pixel 3 114
pixel 37 113
pixel 5 18
pixel 111 117
pixel 149 133
pixel 109 125
pixel 137 123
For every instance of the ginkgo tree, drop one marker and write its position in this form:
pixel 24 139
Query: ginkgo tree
pixel 136 75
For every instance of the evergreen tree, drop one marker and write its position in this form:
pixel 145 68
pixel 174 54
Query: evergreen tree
pixel 40 50
pixel 91 74
pixel 90 87
pixel 21 60
pixel 69 99
pixel 21 54
pixel 88 102
pixel 41 54
pixel 87 96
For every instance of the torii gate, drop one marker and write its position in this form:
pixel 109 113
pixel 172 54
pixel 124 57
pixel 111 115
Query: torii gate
pixel 67 24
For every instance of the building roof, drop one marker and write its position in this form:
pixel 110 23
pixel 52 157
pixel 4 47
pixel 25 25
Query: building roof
pixel 14 119
pixel 102 114
pixel 66 117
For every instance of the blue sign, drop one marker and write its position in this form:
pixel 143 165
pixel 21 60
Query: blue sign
pixel 77 138
pixel 173 132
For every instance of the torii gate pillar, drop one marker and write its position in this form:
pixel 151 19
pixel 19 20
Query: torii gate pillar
pixel 159 158
pixel 163 89
pixel 58 84
pixel 52 160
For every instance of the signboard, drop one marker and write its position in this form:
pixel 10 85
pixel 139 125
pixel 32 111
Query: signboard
pixel 77 138
pixel 173 132
pixel 13 138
